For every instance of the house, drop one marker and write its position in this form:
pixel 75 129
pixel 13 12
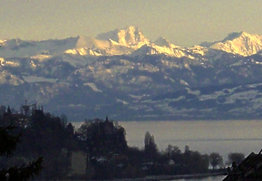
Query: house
pixel 250 169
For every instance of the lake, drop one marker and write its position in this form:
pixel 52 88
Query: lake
pixel 223 137
pixel 218 178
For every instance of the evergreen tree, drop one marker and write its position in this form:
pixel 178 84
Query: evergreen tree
pixel 8 143
pixel 150 146
pixel 52 138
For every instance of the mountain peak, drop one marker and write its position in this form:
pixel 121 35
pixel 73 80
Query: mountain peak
pixel 129 36
pixel 132 28
pixel 232 36
pixel 161 41
pixel 236 35
pixel 241 43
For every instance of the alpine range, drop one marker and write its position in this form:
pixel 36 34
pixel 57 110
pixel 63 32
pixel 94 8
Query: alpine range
pixel 124 75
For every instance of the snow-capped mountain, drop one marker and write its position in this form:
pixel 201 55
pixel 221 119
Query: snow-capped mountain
pixel 117 42
pixel 127 76
pixel 22 48
pixel 242 43
pixel 129 37
pixel 162 46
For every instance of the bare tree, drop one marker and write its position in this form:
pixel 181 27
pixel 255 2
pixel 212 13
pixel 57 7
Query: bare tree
pixel 215 160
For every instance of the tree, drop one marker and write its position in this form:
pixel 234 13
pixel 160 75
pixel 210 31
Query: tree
pixel 52 138
pixel 42 135
pixel 235 157
pixel 150 146
pixel 187 149
pixel 106 147
pixel 8 143
pixel 103 137
pixel 172 150
pixel 215 160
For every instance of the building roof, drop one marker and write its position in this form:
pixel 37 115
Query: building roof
pixel 250 169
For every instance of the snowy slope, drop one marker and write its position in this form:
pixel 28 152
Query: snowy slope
pixel 22 48
pixel 242 43
pixel 127 76
pixel 129 37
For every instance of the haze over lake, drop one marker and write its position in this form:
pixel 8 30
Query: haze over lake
pixel 204 136
pixel 224 137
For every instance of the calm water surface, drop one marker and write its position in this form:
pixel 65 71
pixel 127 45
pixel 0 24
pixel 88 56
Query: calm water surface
pixel 205 136
pixel 219 178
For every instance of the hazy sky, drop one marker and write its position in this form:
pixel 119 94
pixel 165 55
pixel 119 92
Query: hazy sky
pixel 183 22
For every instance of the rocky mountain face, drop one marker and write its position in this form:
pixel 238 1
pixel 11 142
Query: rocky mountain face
pixel 240 43
pixel 126 76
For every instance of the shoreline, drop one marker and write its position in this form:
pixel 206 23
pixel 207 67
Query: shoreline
pixel 176 177
pixel 158 177
pixel 170 177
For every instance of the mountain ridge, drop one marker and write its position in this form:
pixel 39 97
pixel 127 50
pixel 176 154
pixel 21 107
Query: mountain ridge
pixel 87 77
pixel 241 43
pixel 126 41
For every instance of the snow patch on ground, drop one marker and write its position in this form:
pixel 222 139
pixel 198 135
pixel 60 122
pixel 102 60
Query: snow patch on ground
pixel 92 86
pixel 122 101
pixel 41 57
pixel 196 92
pixel 183 82
pixel 138 97
pixel 34 79
pixel 4 62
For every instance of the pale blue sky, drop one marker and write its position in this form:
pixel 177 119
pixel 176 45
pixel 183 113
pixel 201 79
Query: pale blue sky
pixel 183 22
